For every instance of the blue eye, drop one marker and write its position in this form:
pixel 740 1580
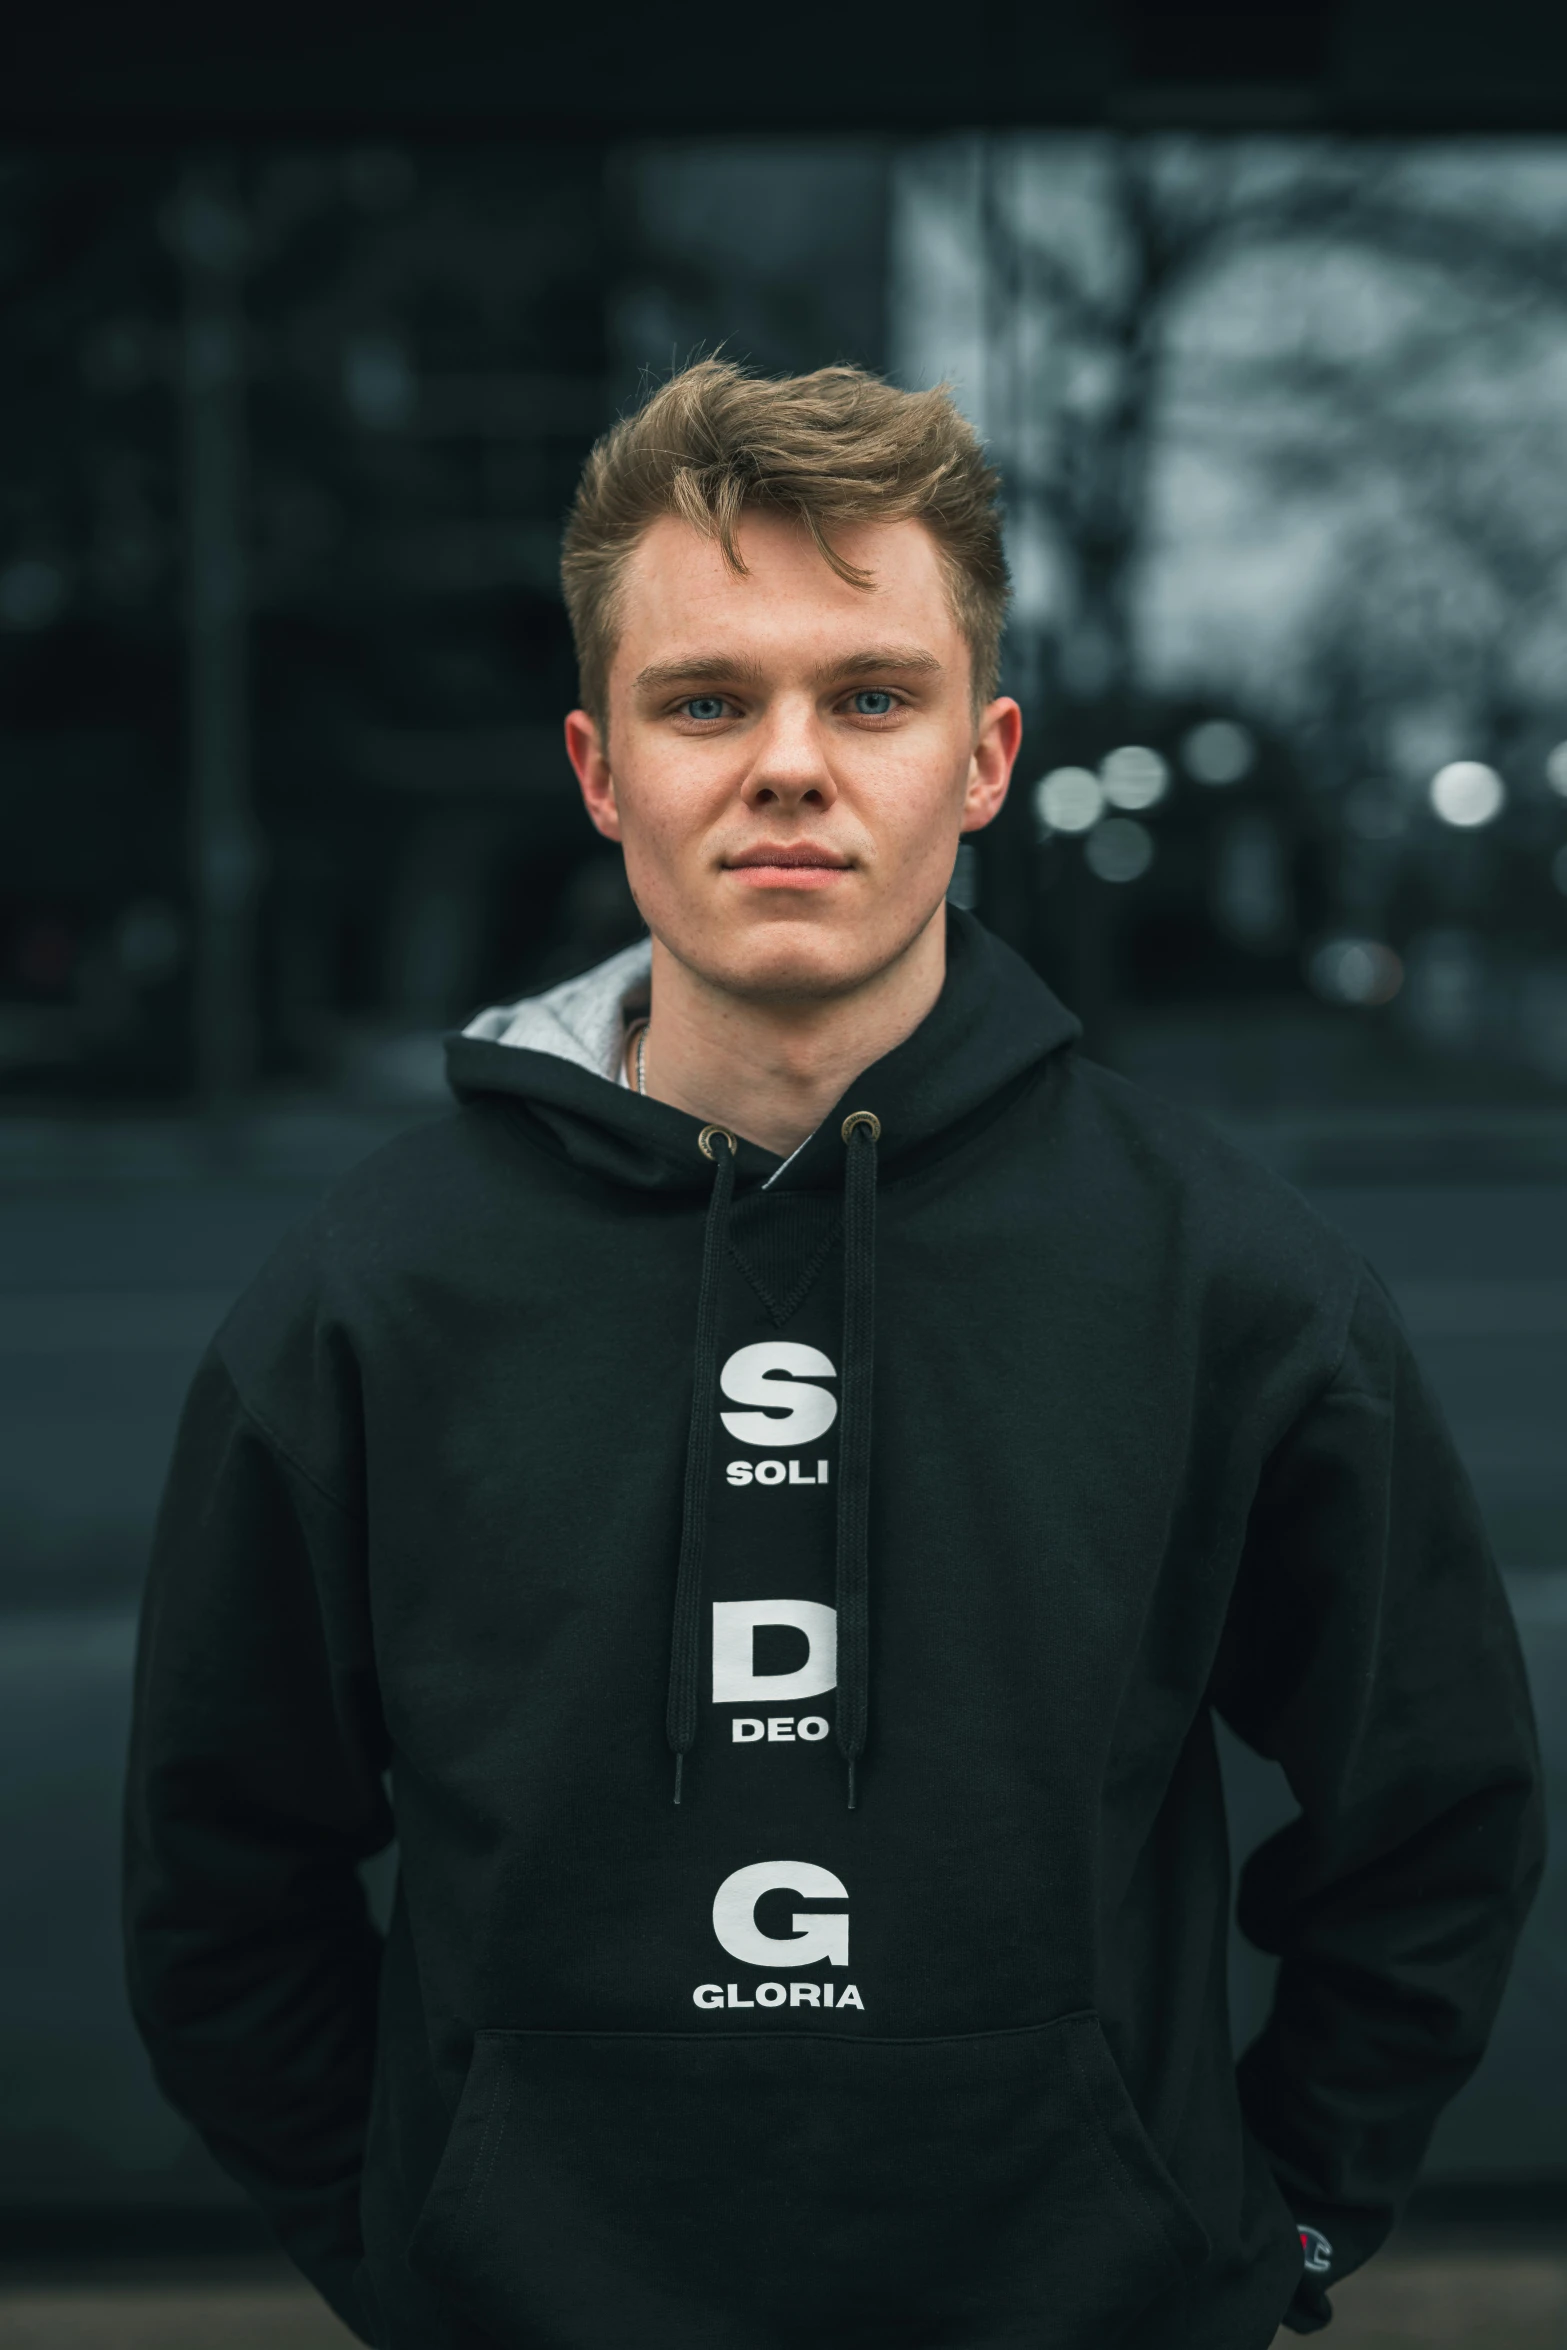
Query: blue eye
pixel 704 706
pixel 873 701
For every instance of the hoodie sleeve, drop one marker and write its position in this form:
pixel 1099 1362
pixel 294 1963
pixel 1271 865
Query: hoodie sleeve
pixel 1371 1652
pixel 254 1790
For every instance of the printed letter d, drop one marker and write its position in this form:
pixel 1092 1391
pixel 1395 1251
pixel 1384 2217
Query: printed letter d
pixel 735 1679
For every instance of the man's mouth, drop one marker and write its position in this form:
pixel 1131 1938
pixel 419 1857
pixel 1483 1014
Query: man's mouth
pixel 799 864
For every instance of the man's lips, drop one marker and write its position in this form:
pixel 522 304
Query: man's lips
pixel 787 865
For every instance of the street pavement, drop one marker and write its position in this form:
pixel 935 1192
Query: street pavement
pixel 1411 2298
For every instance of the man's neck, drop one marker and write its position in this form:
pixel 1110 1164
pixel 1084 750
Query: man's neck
pixel 770 1070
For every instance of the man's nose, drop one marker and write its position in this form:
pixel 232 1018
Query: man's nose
pixel 790 768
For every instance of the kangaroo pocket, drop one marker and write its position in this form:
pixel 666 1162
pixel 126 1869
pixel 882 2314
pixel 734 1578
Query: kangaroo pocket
pixel 753 2191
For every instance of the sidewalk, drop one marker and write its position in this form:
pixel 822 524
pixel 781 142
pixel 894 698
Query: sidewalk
pixel 195 2305
pixel 1469 2298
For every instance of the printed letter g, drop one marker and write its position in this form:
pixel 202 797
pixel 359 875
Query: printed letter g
pixel 815 1935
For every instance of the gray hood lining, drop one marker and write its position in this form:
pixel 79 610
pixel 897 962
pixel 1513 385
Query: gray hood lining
pixel 582 1021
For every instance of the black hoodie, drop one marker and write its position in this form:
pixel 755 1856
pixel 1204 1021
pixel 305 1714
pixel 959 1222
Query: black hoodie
pixel 813 1883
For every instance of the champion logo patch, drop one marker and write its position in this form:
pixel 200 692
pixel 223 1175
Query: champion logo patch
pixel 1316 2250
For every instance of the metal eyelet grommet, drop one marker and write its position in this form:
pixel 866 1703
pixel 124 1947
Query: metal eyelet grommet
pixel 862 1118
pixel 704 1141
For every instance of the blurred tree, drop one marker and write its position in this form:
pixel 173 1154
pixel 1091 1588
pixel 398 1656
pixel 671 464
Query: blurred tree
pixel 1281 427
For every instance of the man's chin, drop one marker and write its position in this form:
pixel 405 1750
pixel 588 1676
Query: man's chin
pixel 778 968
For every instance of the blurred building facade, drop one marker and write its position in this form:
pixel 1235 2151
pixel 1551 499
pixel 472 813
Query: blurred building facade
pixel 282 655
pixel 282 658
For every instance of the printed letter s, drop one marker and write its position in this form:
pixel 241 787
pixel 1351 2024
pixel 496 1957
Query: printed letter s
pixel 763 1374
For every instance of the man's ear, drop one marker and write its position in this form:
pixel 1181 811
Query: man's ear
pixel 997 742
pixel 590 760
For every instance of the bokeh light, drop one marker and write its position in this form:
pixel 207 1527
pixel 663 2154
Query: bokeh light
pixel 1467 793
pixel 1120 849
pixel 1556 770
pixel 32 594
pixel 1219 752
pixel 1134 777
pixel 1069 799
pixel 1355 971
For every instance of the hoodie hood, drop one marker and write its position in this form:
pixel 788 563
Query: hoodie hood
pixel 990 1030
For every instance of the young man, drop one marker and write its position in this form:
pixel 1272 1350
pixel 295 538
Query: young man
pixel 766 1500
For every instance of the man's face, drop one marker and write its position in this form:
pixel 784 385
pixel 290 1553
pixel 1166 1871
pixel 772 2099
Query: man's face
pixel 791 759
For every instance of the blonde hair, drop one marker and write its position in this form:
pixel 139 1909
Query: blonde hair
pixel 837 446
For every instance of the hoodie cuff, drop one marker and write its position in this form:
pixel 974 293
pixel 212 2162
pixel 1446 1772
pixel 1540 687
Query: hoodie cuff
pixel 1310 2310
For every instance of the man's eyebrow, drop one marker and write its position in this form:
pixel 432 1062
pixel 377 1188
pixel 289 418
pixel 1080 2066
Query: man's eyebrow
pixel 731 669
pixel 907 660
pixel 693 668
